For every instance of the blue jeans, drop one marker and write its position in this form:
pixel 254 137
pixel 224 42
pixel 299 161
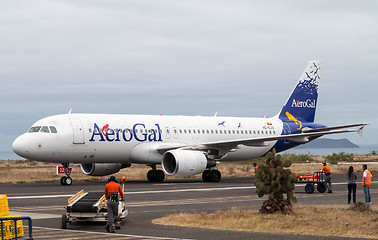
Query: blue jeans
pixel 367 193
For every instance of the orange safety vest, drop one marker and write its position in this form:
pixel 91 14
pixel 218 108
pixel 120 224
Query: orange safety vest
pixel 326 170
pixel 256 168
pixel 366 180
pixel 113 187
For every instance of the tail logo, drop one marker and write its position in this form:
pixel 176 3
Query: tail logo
pixel 292 118
pixel 304 104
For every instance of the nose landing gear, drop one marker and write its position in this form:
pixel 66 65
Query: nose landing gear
pixel 67 180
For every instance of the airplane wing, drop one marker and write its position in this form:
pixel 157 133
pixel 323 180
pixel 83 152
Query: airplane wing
pixel 299 137
pixel 262 141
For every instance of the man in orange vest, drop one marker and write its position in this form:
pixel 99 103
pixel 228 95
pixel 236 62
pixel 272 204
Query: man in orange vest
pixel 328 178
pixel 255 167
pixel 366 182
pixel 112 189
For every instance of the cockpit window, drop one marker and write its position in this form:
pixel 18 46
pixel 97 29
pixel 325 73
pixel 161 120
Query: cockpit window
pixel 45 129
pixel 53 129
pixel 35 129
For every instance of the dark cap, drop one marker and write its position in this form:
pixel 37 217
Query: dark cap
pixel 112 178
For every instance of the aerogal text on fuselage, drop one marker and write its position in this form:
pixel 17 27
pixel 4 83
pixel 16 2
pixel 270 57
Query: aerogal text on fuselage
pixel 139 132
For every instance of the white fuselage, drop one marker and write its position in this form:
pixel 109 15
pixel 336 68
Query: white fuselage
pixel 111 138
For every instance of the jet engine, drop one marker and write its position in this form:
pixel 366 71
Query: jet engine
pixel 184 163
pixel 102 169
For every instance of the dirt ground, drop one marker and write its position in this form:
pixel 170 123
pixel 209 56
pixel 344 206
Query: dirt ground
pixel 21 171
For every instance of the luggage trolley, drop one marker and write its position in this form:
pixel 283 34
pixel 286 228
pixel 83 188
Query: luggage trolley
pixel 312 179
pixel 90 207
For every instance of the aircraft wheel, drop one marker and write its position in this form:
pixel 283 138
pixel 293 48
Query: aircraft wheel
pixel 64 221
pixel 309 188
pixel 322 187
pixel 159 176
pixel 215 176
pixel 63 180
pixel 68 181
pixel 151 176
pixel 205 176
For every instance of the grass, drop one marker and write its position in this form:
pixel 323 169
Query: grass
pixel 305 220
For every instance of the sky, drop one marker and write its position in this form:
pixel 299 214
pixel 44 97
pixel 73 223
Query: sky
pixel 236 58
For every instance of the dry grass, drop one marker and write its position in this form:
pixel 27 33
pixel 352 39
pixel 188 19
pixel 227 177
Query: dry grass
pixel 306 220
pixel 21 171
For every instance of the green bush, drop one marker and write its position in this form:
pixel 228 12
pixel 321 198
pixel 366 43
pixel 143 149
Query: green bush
pixel 294 158
pixel 341 157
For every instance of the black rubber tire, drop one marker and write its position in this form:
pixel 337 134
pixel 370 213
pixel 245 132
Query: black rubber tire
pixel 215 176
pixel 63 181
pixel 160 176
pixel 205 176
pixel 68 181
pixel 151 176
pixel 64 221
pixel 322 187
pixel 309 188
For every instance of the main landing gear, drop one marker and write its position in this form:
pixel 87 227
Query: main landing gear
pixel 67 180
pixel 211 175
pixel 155 175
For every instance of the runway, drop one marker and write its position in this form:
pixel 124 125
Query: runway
pixel 44 203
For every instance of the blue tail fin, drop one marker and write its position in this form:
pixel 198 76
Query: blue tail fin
pixel 301 105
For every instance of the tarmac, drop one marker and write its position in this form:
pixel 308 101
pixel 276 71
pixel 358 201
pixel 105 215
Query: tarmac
pixel 45 202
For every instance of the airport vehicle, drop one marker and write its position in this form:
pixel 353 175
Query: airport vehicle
pixel 183 145
pixel 312 179
pixel 89 207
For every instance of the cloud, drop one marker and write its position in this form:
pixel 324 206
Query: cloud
pixel 190 57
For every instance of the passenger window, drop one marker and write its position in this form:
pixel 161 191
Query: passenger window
pixel 203 131
pixel 34 129
pixel 53 129
pixel 241 131
pixel 45 129
pixel 189 131
pixel 220 131
pixel 237 131
pixel 216 131
pixel 233 131
pixel 207 131
pixel 180 131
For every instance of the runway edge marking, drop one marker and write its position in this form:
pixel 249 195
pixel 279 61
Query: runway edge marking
pixel 111 234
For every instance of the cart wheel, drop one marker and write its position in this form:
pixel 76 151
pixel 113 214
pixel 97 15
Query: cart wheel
pixel 321 187
pixel 309 188
pixel 64 221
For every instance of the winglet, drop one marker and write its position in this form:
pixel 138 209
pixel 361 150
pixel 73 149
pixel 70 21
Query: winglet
pixel 70 111
pixel 359 131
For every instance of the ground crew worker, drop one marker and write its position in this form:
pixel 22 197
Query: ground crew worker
pixel 112 189
pixel 366 182
pixel 327 172
pixel 255 166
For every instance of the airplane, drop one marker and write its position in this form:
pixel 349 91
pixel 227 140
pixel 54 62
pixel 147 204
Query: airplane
pixel 183 145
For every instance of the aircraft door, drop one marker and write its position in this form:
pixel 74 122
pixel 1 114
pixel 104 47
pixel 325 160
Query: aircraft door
pixel 78 131
pixel 286 131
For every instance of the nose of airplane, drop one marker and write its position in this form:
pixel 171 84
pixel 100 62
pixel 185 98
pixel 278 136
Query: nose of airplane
pixel 20 146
